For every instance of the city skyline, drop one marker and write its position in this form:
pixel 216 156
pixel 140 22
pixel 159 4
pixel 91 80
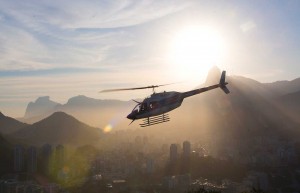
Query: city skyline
pixel 63 49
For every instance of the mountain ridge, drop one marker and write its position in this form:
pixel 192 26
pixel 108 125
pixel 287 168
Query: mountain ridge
pixel 99 113
pixel 58 128
pixel 9 125
pixel 284 87
pixel 250 111
pixel 42 105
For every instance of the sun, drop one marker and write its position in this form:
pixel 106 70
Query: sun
pixel 194 50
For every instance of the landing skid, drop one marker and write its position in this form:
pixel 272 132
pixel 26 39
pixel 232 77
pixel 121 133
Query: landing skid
pixel 155 120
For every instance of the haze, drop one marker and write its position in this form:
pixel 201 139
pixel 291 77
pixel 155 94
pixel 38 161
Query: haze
pixel 63 49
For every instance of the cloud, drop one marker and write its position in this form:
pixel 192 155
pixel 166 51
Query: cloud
pixel 90 14
pixel 63 86
pixel 65 34
pixel 19 49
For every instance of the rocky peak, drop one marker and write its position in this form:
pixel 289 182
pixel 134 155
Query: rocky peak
pixel 213 76
pixel 42 99
pixel 40 106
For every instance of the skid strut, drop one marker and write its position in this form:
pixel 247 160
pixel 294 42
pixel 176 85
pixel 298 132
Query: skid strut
pixel 155 120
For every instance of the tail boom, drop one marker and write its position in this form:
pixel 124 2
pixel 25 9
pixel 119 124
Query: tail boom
pixel 222 84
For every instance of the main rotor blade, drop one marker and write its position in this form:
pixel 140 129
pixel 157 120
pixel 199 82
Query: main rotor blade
pixel 135 88
pixel 136 101
pixel 123 89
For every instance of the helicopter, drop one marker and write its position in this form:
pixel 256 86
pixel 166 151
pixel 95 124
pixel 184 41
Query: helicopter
pixel 153 109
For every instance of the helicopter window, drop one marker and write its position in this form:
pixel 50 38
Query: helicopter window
pixel 143 107
pixel 136 109
pixel 154 105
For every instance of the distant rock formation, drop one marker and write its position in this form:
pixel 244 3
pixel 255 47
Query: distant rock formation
pixel 213 76
pixel 95 112
pixel 251 103
pixel 41 106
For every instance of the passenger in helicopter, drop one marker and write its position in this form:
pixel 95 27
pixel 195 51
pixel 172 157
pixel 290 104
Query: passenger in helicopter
pixel 143 107
pixel 154 105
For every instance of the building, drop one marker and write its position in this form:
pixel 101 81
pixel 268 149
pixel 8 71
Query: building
pixel 18 158
pixel 179 183
pixel 169 182
pixel 186 149
pixel 60 156
pixel 47 151
pixel 32 159
pixel 8 186
pixel 150 166
pixel 46 156
pixel 173 153
pixel 52 188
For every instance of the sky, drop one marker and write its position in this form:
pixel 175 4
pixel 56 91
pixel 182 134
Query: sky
pixel 67 48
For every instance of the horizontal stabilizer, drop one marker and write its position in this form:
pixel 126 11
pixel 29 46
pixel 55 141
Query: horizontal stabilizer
pixel 225 89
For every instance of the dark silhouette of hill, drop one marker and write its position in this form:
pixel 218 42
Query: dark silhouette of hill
pixel 213 76
pixel 291 103
pixel 5 156
pixel 291 99
pixel 249 112
pixel 9 125
pixel 58 128
pixel 95 112
pixel 251 109
pixel 284 87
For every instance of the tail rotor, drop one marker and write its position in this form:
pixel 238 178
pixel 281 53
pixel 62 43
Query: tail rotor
pixel 223 83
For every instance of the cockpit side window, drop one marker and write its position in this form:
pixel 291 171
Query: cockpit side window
pixel 143 107
pixel 153 105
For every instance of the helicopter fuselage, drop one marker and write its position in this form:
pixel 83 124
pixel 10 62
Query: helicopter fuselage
pixel 156 104
pixel 160 103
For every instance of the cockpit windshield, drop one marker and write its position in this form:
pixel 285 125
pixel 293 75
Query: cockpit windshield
pixel 140 107
pixel 136 108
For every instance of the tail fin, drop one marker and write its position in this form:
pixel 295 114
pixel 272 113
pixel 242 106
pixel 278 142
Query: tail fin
pixel 223 83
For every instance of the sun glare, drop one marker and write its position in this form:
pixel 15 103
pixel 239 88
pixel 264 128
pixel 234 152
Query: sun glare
pixel 107 128
pixel 194 50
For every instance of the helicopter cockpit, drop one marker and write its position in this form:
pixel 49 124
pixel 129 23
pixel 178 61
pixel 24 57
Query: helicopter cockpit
pixel 144 106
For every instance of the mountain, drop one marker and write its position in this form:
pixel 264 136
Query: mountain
pixel 58 128
pixel 95 112
pixel 284 87
pixel 291 103
pixel 249 112
pixel 213 76
pixel 41 107
pixel 9 125
pixel 5 158
pixel 292 99
pixel 251 109
pixel 98 112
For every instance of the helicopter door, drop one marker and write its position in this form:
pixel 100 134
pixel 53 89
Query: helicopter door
pixel 154 105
